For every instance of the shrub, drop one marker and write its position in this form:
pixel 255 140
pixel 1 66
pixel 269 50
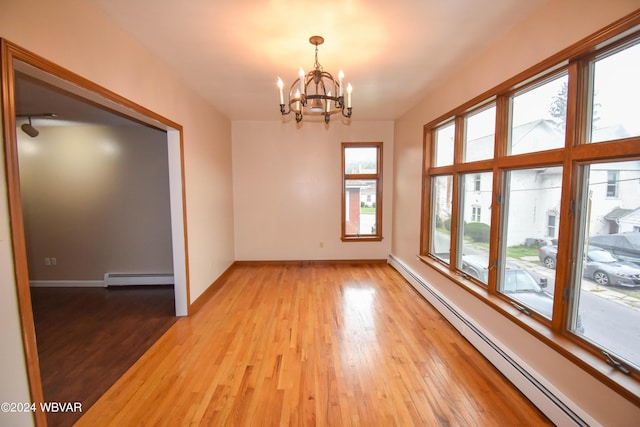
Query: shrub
pixel 477 231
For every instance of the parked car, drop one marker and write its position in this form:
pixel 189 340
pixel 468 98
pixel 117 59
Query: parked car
pixel 600 265
pixel 519 283
pixel 625 246
pixel 607 269
pixel 547 255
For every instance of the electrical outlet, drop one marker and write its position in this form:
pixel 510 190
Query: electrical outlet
pixel 47 261
pixel 54 261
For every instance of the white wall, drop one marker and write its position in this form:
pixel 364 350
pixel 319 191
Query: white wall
pixel 97 199
pixel 76 36
pixel 287 182
pixel 554 26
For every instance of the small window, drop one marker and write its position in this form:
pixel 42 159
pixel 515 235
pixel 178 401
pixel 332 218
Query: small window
pixel 477 181
pixel 551 225
pixel 475 213
pixel 612 184
pixel 361 191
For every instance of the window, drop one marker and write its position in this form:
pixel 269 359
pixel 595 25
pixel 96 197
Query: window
pixel 361 191
pixel 614 95
pixel 480 134
pixel 476 213
pixel 441 227
pixel 612 183
pixel 609 264
pixel 477 181
pixel 474 231
pixel 444 145
pixel 539 117
pixel 551 225
pixel 539 216
pixel 529 194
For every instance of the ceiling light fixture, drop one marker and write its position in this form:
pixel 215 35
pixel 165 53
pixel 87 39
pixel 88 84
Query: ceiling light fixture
pixel 317 93
pixel 28 127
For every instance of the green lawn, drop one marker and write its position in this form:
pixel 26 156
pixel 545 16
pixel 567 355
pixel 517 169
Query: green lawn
pixel 512 251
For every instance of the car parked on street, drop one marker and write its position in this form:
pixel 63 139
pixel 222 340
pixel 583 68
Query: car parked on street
pixel 600 265
pixel 519 284
pixel 625 246
pixel 547 255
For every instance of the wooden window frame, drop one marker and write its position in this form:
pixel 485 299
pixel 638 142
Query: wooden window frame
pixel 377 236
pixel 575 61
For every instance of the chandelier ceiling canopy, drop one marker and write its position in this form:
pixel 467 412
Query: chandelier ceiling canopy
pixel 316 93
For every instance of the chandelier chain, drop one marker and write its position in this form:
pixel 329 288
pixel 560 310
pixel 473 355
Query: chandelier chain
pixel 316 64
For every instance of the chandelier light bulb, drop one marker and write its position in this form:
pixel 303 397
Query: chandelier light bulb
pixel 280 86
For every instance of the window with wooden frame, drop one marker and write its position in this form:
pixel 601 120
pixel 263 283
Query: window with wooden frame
pixel 361 191
pixel 553 158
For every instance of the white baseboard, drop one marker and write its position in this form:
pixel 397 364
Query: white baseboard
pixel 66 283
pixel 555 405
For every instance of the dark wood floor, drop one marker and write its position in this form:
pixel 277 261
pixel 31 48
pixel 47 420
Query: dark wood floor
pixel 88 337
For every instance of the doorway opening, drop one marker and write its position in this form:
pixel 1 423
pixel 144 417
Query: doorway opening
pixel 82 102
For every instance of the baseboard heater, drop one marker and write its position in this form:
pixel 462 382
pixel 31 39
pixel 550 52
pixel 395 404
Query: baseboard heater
pixel 137 279
pixel 557 407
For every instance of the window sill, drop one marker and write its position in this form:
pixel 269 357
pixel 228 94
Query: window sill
pixel 361 239
pixel 570 346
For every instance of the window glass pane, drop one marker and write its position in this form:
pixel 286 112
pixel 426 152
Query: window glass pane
pixel 480 130
pixel 532 196
pixel 475 224
pixel 441 216
pixel 616 91
pixel 539 117
pixel 444 145
pixel 360 207
pixel 362 160
pixel 608 277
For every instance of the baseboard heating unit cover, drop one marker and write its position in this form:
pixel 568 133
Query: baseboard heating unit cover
pixel 557 407
pixel 137 279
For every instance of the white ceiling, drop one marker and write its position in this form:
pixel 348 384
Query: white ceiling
pixel 231 51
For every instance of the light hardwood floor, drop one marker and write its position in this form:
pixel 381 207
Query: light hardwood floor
pixel 303 345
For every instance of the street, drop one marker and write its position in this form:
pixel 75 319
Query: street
pixel 610 315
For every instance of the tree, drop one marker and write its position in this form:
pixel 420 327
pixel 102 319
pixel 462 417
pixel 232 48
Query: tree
pixel 558 107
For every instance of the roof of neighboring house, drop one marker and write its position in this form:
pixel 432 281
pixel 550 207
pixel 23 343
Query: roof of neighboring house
pixel 627 216
pixel 617 213
pixel 544 134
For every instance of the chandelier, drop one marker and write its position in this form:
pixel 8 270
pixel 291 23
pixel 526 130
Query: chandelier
pixel 316 93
